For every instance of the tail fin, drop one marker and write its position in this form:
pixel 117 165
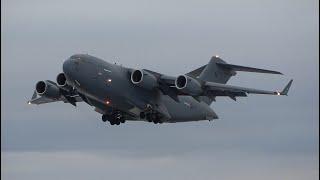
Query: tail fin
pixel 213 72
pixel 219 71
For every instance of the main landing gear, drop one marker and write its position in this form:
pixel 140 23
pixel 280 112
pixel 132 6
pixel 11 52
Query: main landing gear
pixel 151 116
pixel 114 118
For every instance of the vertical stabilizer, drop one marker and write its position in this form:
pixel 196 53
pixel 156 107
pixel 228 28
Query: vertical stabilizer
pixel 215 73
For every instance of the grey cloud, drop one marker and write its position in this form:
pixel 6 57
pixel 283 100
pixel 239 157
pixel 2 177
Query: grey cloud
pixel 68 165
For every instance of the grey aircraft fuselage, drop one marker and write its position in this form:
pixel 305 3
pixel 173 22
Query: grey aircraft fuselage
pixel 123 94
pixel 108 85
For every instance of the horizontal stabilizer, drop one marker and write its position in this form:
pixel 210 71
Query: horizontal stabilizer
pixel 246 69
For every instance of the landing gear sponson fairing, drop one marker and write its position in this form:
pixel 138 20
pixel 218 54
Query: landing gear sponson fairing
pixel 121 94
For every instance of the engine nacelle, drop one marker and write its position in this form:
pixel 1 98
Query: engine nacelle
pixel 48 89
pixel 144 79
pixel 62 82
pixel 188 85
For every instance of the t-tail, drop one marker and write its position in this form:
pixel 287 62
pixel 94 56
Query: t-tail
pixel 218 71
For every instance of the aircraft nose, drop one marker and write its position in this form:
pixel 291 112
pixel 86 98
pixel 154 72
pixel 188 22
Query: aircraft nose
pixel 67 66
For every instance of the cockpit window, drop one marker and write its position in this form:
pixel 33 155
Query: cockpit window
pixel 74 57
pixel 79 58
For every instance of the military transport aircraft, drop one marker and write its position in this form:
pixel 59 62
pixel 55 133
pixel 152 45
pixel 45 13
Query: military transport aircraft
pixel 121 94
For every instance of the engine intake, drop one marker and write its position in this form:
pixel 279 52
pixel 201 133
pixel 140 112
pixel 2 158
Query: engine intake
pixel 61 79
pixel 136 76
pixel 144 79
pixel 48 89
pixel 188 85
pixel 62 82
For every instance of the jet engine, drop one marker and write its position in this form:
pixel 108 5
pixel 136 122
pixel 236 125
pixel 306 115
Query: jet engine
pixel 48 89
pixel 188 85
pixel 144 79
pixel 62 82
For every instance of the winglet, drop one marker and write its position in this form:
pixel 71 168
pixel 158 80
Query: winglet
pixel 286 89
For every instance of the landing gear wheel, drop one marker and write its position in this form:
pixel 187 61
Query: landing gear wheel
pixel 104 118
pixel 148 117
pixel 158 118
pixel 154 117
pixel 142 115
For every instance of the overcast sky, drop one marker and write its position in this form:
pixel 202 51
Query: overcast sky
pixel 259 137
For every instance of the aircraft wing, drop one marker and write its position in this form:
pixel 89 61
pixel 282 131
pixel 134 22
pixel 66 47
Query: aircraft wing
pixel 216 89
pixel 211 89
pixel 166 84
pixel 229 88
pixel 66 98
